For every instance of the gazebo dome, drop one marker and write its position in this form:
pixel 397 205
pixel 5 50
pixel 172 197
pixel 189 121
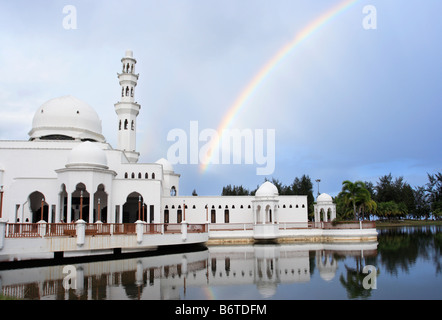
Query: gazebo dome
pixel 87 154
pixel 167 166
pixel 324 197
pixel 267 290
pixel 66 118
pixel 267 189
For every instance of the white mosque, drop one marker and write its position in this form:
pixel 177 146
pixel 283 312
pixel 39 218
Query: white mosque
pixel 67 171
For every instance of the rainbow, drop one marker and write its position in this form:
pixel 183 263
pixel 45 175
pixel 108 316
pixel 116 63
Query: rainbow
pixel 251 88
pixel 209 293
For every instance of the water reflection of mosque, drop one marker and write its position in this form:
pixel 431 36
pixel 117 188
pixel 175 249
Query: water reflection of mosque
pixel 170 276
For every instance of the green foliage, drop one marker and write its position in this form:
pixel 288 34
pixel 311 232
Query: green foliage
pixel 391 210
pixel 300 186
pixel 357 195
pixel 235 191
pixel 389 199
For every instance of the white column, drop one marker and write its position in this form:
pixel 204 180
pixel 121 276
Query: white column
pixel 91 207
pixel 69 208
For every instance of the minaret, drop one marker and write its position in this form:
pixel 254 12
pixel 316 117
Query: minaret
pixel 127 109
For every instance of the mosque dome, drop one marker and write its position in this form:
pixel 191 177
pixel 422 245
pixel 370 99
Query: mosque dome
pixel 167 166
pixel 267 290
pixel 87 154
pixel 66 118
pixel 267 189
pixel 324 197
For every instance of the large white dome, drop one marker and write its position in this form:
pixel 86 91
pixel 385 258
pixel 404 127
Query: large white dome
pixel 167 166
pixel 66 118
pixel 267 189
pixel 87 154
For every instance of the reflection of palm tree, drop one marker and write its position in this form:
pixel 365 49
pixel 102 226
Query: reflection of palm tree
pixel 353 281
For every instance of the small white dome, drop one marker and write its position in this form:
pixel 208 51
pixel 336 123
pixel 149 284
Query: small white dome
pixel 267 189
pixel 87 154
pixel 167 166
pixel 66 118
pixel 267 290
pixel 324 197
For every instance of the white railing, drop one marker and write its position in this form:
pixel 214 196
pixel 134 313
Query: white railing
pixel 293 225
pixel 230 226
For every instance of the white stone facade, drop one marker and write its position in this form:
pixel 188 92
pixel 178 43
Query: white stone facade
pixel 67 171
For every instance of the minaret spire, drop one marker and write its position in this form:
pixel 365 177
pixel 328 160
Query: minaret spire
pixel 127 109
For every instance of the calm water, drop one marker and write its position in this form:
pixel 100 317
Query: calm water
pixel 407 262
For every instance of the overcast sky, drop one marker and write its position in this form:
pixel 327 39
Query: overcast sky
pixel 348 103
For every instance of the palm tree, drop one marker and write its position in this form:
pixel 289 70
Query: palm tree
pixel 353 192
pixel 365 203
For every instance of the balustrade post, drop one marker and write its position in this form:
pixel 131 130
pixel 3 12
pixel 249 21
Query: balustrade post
pixel 42 225
pixel 184 230
pixel 2 232
pixel 80 226
pixel 139 228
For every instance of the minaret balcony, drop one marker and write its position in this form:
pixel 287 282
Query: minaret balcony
pixel 132 77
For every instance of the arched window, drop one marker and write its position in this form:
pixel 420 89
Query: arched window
pixel 125 124
pixel 127 91
pixel 213 216
pixel 153 176
pixel 133 125
pixel 133 175
pixel 173 191
pixel 119 126
pixel 122 91
pixel 139 175
pixel 132 68
pixel 226 216
pixel 146 176
pixel 132 92
pixel 127 68
pixel 126 176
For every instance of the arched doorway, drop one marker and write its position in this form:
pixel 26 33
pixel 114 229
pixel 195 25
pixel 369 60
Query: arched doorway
pixel 179 215
pixel 166 215
pixel 37 204
pixel 132 208
pixel 100 205
pixel 63 204
pixel 213 215
pixel 226 215
pixel 268 212
pixel 80 203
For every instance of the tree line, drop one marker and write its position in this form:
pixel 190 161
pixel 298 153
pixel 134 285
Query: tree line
pixel 388 199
